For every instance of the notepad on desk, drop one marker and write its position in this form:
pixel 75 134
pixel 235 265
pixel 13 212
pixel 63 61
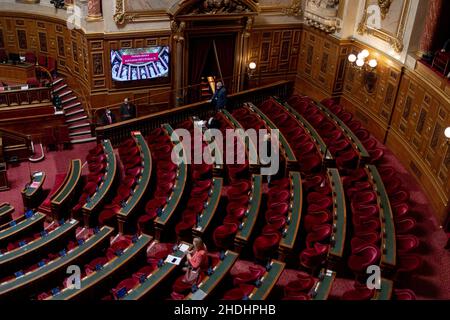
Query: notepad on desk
pixel 173 260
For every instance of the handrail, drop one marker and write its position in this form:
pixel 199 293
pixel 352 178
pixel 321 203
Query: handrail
pixel 118 131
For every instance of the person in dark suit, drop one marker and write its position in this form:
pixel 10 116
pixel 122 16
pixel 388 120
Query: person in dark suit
pixel 127 110
pixel 219 99
pixel 108 118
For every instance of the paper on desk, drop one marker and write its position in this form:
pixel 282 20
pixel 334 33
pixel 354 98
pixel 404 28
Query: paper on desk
pixel 173 260
pixel 34 185
pixel 183 247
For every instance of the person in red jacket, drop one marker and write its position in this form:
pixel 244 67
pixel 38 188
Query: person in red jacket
pixel 197 261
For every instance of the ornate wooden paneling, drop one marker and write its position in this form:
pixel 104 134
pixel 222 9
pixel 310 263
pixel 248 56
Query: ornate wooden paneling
pixel 322 62
pixel 275 50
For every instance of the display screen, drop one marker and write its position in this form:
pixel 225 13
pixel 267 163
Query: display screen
pixel 140 64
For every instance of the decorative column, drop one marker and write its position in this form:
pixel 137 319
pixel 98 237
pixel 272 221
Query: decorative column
pixel 244 53
pixel 94 10
pixel 431 25
pixel 178 37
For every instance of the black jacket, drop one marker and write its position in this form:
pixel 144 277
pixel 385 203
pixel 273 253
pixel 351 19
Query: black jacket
pixel 126 113
pixel 105 121
pixel 219 99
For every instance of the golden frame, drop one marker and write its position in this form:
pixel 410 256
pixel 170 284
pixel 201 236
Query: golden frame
pixel 394 40
pixel 121 16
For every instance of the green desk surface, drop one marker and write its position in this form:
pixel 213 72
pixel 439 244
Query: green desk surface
pixel 349 133
pixel 214 149
pixel 385 293
pixel 249 221
pixel 70 182
pixel 389 239
pixel 107 270
pixel 38 180
pixel 305 124
pixel 211 206
pixel 144 179
pixel 39 243
pixel 56 264
pixel 290 156
pixel 268 281
pixel 154 279
pixel 220 271
pixel 295 212
pixel 5 208
pixel 178 189
pixel 110 173
pixel 339 214
pixel 249 143
pixel 22 225
pixel 323 287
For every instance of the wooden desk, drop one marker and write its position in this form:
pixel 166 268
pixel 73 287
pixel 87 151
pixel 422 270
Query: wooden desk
pixel 32 194
pixel 17 73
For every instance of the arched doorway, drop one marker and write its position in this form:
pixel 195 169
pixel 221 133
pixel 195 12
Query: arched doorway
pixel 210 39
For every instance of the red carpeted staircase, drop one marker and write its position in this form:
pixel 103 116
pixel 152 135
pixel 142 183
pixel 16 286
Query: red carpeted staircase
pixel 76 118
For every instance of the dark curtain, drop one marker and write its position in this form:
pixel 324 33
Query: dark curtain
pixel 198 51
pixel 225 51
pixel 202 62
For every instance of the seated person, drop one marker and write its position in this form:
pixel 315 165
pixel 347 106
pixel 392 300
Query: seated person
pixel 127 110
pixel 108 118
pixel 197 262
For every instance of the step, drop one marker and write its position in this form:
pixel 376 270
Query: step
pixel 59 80
pixel 83 140
pixel 80 133
pixel 69 100
pixel 65 93
pixel 60 88
pixel 73 105
pixel 75 112
pixel 79 126
pixel 76 119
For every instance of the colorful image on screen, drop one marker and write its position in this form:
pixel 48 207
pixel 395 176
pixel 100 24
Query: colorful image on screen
pixel 140 64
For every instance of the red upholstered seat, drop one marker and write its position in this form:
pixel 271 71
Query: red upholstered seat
pixel 280 208
pixel 277 195
pixel 370 225
pixel 243 200
pixel 364 197
pixel 405 226
pixel 277 222
pixel 281 183
pixel 97 150
pixel 313 182
pixel 376 155
pixel 359 293
pixel 318 233
pixel 126 284
pixel 239 293
pixel 315 256
pixel 400 211
pixel 354 125
pixel 254 273
pixel 401 196
pixel 408 263
pixel 364 257
pixel 90 267
pixel 406 243
pixel 310 163
pixel 181 287
pixel 106 216
pixel 144 271
pixel 363 239
pixel 346 117
pixel 362 134
pixel 298 296
pixel 319 202
pixel 264 245
pixel 303 283
pixel 224 235
pixel 314 219
pixel 188 222
pixel 329 102
pixel 404 294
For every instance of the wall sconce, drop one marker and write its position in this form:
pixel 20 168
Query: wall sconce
pixel 362 63
pixel 447 134
pixel 251 69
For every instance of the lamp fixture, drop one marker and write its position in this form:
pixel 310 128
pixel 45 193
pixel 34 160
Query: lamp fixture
pixel 447 133
pixel 251 69
pixel 252 65
pixel 361 60
pixel 366 66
